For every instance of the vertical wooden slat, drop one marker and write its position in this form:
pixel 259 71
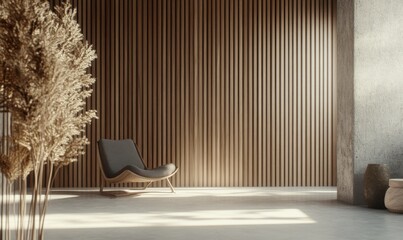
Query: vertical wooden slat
pixel 122 71
pixel 208 91
pixel 176 116
pixel 259 93
pixel 319 87
pixel 272 91
pixel 254 93
pixel 241 94
pixel 317 95
pixel 220 47
pixel 249 92
pixel 234 92
pixel 236 115
pixel 315 108
pixel 198 95
pixel 277 90
pixel 204 83
pixel 226 70
pixel 213 119
pixel 230 88
pixel 325 92
pixel 287 95
pixel 333 92
pixel 158 55
pixel 267 106
pixel 308 94
pixel 303 93
pixel 183 95
pixel 163 56
pixel 281 94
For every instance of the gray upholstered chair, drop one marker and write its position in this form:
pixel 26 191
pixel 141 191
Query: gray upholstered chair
pixel 120 162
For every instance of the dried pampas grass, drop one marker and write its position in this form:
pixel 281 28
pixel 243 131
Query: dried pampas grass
pixel 43 87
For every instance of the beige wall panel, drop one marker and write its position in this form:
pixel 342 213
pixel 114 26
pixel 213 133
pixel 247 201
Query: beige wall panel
pixel 234 92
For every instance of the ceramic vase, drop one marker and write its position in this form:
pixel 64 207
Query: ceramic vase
pixel 376 182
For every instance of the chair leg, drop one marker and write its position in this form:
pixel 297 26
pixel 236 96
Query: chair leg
pixel 148 184
pixel 170 185
pixel 101 187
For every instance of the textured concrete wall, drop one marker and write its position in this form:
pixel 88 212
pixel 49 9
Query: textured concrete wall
pixel 378 80
pixel 377 103
pixel 345 100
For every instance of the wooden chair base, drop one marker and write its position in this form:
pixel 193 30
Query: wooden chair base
pixel 126 193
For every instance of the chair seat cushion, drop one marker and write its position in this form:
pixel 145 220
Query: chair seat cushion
pixel 159 172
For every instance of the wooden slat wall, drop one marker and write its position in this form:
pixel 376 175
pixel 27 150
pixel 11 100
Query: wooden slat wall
pixel 235 92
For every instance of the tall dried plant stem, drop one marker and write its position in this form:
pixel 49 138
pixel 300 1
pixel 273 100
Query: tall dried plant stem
pixel 8 203
pixel 31 217
pixel 34 200
pixel 45 203
pixel 36 197
pixel 1 207
pixel 22 212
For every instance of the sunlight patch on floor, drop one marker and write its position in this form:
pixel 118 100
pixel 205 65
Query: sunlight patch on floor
pixel 178 219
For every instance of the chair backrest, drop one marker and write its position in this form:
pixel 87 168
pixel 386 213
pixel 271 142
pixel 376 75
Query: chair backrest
pixel 118 154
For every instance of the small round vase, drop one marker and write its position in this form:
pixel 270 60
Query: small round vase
pixel 394 196
pixel 376 182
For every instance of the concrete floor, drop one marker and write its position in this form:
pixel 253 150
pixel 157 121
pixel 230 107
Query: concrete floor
pixel 219 213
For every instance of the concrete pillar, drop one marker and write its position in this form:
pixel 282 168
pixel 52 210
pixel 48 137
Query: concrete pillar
pixel 369 92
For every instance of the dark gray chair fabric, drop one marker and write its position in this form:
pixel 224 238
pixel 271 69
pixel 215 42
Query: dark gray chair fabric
pixel 120 155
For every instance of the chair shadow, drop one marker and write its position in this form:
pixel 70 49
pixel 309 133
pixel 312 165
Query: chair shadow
pixel 108 193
